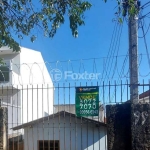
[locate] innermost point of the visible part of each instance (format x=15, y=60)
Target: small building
x=64, y=131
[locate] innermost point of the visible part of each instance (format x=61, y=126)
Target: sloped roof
x=62, y=114
x=144, y=94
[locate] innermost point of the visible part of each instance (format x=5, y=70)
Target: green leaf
x=22, y=17
x=120, y=20
x=33, y=38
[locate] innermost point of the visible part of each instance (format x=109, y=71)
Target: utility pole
x=133, y=56
x=133, y=68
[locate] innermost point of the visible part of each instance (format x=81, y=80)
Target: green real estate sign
x=87, y=101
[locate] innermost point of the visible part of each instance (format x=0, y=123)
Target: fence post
x=3, y=127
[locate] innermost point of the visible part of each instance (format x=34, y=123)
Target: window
x=48, y=145
x=4, y=73
x=5, y=99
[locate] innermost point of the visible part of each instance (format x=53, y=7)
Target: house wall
x=37, y=97
x=36, y=102
x=29, y=75
x=71, y=134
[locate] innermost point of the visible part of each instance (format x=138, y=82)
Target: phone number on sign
x=90, y=112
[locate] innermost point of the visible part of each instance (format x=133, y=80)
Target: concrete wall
x=119, y=126
x=71, y=134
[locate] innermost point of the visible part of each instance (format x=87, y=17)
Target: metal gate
x=43, y=117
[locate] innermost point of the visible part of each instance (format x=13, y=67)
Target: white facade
x=28, y=93
x=71, y=133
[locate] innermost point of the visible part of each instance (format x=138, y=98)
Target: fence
x=44, y=117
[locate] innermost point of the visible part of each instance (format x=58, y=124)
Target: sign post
x=87, y=101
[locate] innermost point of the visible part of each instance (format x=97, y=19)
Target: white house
x=64, y=131
x=25, y=86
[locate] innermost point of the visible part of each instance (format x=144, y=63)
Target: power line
x=111, y=43
x=143, y=6
x=146, y=47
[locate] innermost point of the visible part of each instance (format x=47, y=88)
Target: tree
x=20, y=17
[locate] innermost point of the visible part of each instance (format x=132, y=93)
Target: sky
x=101, y=41
x=98, y=38
x=93, y=40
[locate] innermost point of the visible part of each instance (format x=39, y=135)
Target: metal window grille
x=43, y=114
x=49, y=145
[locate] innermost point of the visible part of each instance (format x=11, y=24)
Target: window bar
x=2, y=100
x=59, y=123
x=54, y=89
x=87, y=133
x=32, y=103
x=27, y=104
x=64, y=116
x=8, y=120
x=121, y=91
x=103, y=93
x=81, y=128
x=143, y=92
x=76, y=134
x=22, y=103
x=149, y=91
x=1, y=104
x=43, y=118
x=109, y=93
x=99, y=131
x=37, y=113
x=127, y=90
x=92, y=85
x=87, y=129
x=22, y=108
x=54, y=123
x=58, y=116
x=12, y=120
x=27, y=120
x=53, y=115
x=105, y=119
x=70, y=117
x=48, y=120
x=93, y=124
x=32, y=119
x=115, y=91
x=17, y=120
